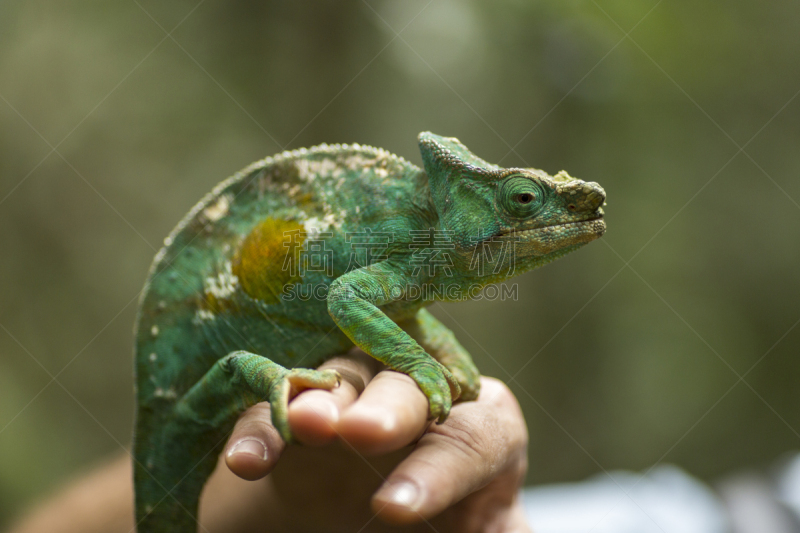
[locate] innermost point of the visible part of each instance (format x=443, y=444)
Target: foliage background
x=118, y=116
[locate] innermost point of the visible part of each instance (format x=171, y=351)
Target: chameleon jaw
x=548, y=239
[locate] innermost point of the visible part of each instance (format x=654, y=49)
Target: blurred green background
x=117, y=117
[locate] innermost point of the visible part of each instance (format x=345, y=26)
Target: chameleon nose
x=587, y=197
x=595, y=196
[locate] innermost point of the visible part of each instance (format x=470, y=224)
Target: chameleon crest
x=300, y=257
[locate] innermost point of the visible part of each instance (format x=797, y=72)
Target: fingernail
x=250, y=447
x=403, y=493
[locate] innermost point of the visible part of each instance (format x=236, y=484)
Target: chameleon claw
x=439, y=386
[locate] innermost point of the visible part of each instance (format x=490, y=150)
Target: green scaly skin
x=237, y=309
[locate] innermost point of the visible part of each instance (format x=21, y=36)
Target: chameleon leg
x=244, y=379
x=178, y=449
x=440, y=342
x=352, y=303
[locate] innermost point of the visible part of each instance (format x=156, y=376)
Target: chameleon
x=302, y=256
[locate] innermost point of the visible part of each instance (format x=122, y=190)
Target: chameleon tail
x=177, y=444
x=173, y=460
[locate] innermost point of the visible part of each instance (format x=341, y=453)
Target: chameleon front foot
x=290, y=384
x=439, y=386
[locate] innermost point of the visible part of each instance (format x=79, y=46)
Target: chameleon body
x=303, y=255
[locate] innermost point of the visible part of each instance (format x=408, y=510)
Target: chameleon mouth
x=594, y=224
x=548, y=239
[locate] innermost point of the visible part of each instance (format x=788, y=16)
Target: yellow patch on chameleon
x=268, y=259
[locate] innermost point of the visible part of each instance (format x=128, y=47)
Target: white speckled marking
x=218, y=209
x=169, y=394
x=308, y=170
x=203, y=315
x=359, y=162
x=224, y=284
x=315, y=225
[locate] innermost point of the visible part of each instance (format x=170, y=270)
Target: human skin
x=369, y=452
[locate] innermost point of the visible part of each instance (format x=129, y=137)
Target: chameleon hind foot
x=291, y=383
x=278, y=385
x=242, y=379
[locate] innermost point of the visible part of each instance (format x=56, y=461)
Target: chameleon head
x=487, y=208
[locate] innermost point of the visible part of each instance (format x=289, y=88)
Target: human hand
x=463, y=475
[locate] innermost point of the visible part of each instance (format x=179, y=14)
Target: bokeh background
x=673, y=339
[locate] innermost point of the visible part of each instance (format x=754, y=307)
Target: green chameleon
x=303, y=255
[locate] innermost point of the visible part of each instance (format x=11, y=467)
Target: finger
x=255, y=445
x=314, y=414
x=391, y=413
x=481, y=442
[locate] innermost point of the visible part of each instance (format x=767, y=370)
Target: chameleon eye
x=520, y=196
x=525, y=198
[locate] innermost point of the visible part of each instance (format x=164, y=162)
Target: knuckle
x=506, y=408
x=491, y=438
x=472, y=444
x=497, y=392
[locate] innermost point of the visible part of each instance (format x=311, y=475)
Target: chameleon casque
x=303, y=255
